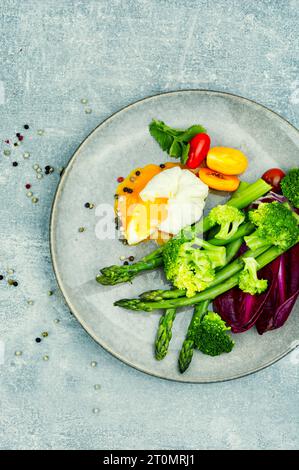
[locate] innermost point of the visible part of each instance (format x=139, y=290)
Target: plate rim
x=52, y=226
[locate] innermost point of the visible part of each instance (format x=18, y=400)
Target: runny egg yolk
x=139, y=219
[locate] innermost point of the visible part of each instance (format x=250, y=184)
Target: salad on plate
x=242, y=257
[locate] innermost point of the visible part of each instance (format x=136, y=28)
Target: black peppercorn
x=87, y=205
x=162, y=165
x=137, y=173
x=38, y=340
x=14, y=163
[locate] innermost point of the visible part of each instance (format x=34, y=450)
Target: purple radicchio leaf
x=283, y=293
x=270, y=309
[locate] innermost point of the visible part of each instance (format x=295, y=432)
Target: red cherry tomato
x=199, y=147
x=274, y=177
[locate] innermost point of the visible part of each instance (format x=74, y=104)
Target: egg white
x=186, y=195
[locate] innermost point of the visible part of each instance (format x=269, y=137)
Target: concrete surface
x=53, y=54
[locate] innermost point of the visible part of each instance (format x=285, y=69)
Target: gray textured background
x=53, y=53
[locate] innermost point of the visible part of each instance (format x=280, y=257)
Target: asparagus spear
x=243, y=199
x=186, y=352
x=231, y=279
x=153, y=254
x=232, y=249
x=242, y=186
x=112, y=275
x=222, y=275
x=161, y=294
x=164, y=333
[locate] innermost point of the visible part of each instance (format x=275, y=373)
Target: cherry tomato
x=218, y=181
x=274, y=177
x=227, y=160
x=199, y=147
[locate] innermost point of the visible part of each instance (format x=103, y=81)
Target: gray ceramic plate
x=118, y=145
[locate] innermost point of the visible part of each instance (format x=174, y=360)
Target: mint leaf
x=192, y=131
x=174, y=141
x=185, y=152
x=175, y=149
x=158, y=133
x=170, y=130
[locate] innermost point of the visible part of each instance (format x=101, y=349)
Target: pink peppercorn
x=120, y=179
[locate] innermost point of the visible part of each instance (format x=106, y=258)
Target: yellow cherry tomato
x=227, y=160
x=216, y=180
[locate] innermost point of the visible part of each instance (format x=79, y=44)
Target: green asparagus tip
x=112, y=281
x=161, y=353
x=186, y=355
x=164, y=333
x=112, y=275
x=133, y=304
x=159, y=356
x=102, y=279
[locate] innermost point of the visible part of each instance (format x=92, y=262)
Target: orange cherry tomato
x=216, y=180
x=227, y=160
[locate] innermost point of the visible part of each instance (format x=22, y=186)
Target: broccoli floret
x=248, y=280
x=194, y=275
x=210, y=335
x=189, y=267
x=290, y=186
x=170, y=255
x=276, y=225
x=229, y=218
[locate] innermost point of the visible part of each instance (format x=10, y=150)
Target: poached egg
x=160, y=202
